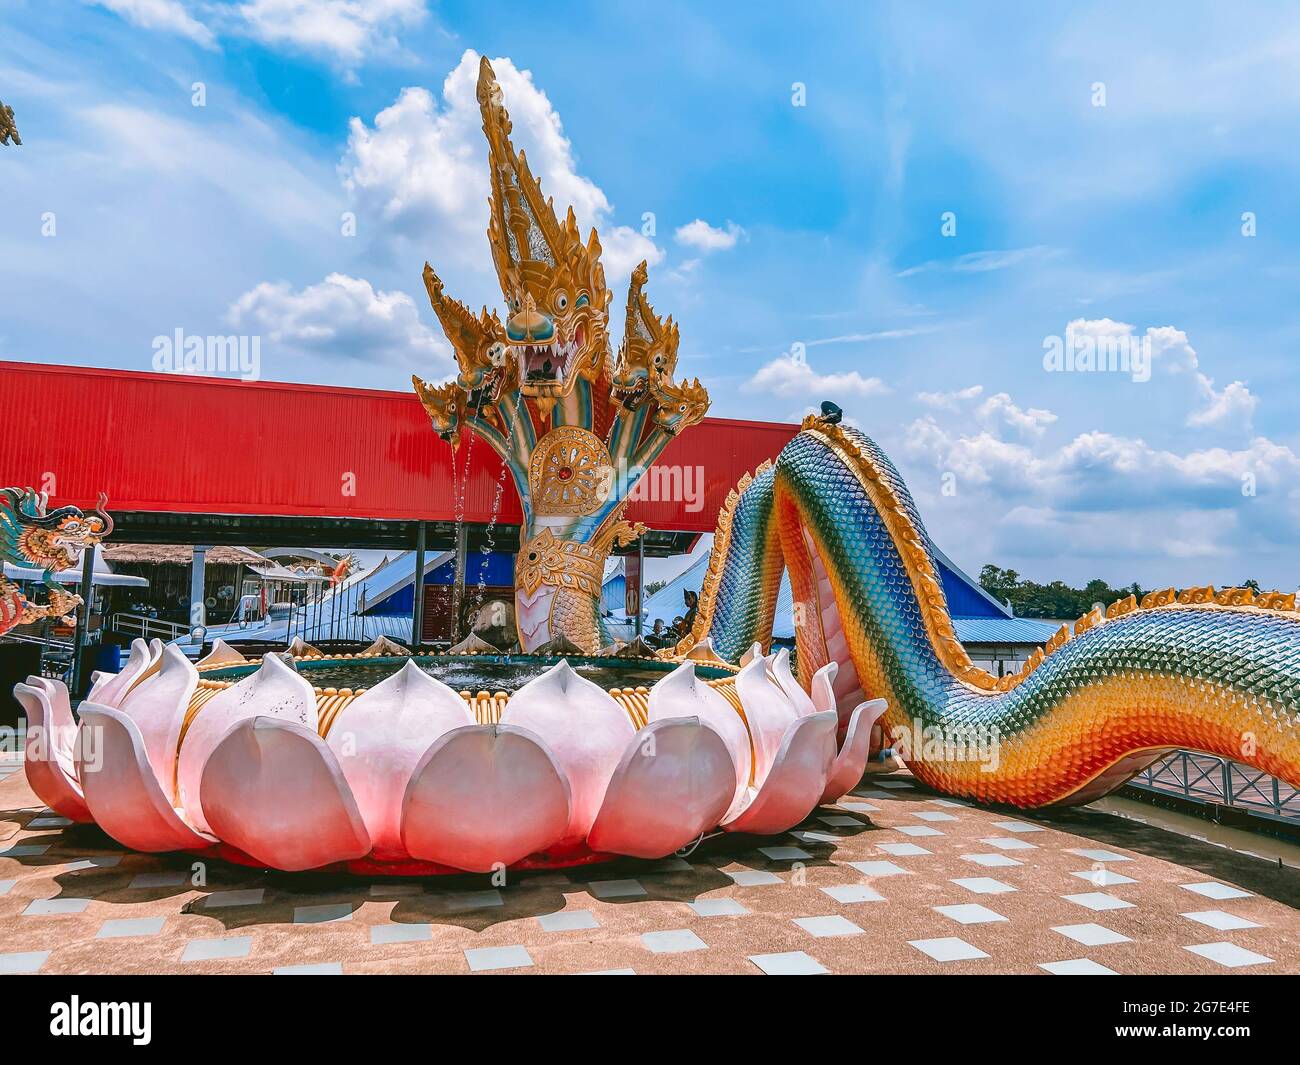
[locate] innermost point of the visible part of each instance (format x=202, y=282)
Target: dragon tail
x=1213, y=672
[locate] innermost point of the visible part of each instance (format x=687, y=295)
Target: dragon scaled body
x=576, y=427
x=33, y=536
x=1210, y=671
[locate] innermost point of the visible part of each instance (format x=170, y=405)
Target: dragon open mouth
x=549, y=364
x=632, y=396
x=489, y=390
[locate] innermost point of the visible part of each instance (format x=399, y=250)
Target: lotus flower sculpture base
x=254, y=764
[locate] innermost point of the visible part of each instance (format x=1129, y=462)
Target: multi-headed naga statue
x=576, y=428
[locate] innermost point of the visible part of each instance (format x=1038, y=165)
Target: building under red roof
x=187, y=459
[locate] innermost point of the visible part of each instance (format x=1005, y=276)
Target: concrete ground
x=892, y=880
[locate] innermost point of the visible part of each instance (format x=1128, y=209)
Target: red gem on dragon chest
x=566, y=473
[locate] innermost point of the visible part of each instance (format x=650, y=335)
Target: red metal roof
x=164, y=442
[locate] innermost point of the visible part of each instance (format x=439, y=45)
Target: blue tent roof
x=394, y=592
x=613, y=592
x=977, y=616
x=1002, y=630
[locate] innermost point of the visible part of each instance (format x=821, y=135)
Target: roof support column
x=198, y=605
x=458, y=596
x=640, y=583
x=87, y=592
x=417, y=609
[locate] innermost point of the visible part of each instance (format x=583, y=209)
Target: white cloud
x=622, y=248
x=342, y=318
x=1105, y=496
x=787, y=376
x=422, y=169
x=241, y=158
x=950, y=400
x=1230, y=408
x=1029, y=421
x=170, y=16
x=706, y=238
x=866, y=338
x=348, y=30
x=998, y=409
x=979, y=262
x=1105, y=470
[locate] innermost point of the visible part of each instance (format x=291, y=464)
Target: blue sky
x=1098, y=164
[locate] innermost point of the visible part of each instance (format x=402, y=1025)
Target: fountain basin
x=471, y=673
x=485, y=681
x=400, y=773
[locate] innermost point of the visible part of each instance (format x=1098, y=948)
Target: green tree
x=1057, y=599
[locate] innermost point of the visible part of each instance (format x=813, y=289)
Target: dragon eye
x=561, y=301
x=660, y=360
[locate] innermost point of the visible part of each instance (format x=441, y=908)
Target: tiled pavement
x=856, y=889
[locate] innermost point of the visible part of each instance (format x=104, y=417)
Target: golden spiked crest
x=554, y=284
x=478, y=342
x=648, y=354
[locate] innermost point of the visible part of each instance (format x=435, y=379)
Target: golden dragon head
x=679, y=406
x=646, y=361
x=554, y=284
x=445, y=405
x=648, y=354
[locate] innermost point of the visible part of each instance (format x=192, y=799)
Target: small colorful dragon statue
x=576, y=428
x=33, y=536
x=1211, y=671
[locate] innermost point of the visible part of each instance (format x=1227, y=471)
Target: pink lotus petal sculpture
x=406, y=780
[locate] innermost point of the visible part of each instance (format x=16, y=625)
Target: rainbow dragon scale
x=1216, y=672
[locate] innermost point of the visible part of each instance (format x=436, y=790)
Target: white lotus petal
x=584, y=728
x=683, y=694
x=780, y=666
x=851, y=762
x=379, y=738
x=121, y=788
x=275, y=690
x=755, y=651
x=110, y=688
x=384, y=646
x=484, y=797
x=158, y=706
x=673, y=784
x=768, y=711
x=48, y=760
x=823, y=687
x=60, y=703
x=794, y=785
x=705, y=653
x=222, y=654
x=273, y=789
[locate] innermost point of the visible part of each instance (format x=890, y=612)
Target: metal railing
x=1208, y=778
x=147, y=628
